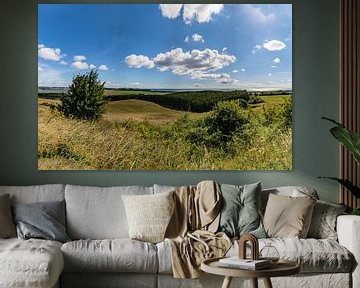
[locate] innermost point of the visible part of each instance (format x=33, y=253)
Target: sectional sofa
x=102, y=255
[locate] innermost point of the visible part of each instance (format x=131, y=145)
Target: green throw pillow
x=240, y=213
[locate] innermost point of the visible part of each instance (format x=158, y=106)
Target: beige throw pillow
x=7, y=226
x=288, y=217
x=149, y=215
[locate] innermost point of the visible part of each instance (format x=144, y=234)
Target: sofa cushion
x=313, y=255
x=30, y=263
x=7, y=226
x=36, y=193
x=163, y=188
x=98, y=213
x=117, y=255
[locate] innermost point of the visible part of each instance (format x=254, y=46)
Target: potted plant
x=351, y=141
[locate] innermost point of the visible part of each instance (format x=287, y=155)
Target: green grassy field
x=139, y=110
x=138, y=135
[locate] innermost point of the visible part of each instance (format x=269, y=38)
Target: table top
x=281, y=268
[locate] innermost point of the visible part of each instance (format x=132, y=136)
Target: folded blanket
x=191, y=231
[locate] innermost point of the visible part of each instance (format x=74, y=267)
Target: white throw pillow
x=149, y=215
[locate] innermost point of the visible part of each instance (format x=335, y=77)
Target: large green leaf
x=348, y=185
x=348, y=138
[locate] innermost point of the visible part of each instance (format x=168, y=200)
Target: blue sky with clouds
x=210, y=46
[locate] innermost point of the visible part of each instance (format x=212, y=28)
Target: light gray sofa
x=101, y=255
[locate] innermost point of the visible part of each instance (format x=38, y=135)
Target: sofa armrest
x=348, y=230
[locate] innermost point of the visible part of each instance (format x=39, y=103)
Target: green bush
x=219, y=127
x=85, y=98
x=227, y=118
x=286, y=112
x=255, y=99
x=280, y=115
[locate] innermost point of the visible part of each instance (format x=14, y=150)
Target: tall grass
x=67, y=144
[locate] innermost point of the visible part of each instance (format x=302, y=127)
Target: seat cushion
x=117, y=255
x=30, y=263
x=313, y=255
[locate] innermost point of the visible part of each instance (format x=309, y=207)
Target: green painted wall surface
x=315, y=84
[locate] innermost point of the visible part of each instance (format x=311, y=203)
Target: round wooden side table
x=281, y=268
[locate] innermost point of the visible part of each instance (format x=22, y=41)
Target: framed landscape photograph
x=165, y=87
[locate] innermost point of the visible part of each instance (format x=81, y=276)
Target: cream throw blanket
x=191, y=231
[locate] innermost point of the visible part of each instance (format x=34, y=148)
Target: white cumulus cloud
x=235, y=71
x=139, y=61
x=274, y=45
x=103, y=67
x=80, y=65
x=79, y=58
x=92, y=66
x=183, y=63
x=224, y=49
x=197, y=64
x=200, y=13
x=243, y=69
x=170, y=11
x=195, y=38
x=47, y=53
x=276, y=60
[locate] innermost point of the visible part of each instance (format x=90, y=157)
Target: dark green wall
x=315, y=80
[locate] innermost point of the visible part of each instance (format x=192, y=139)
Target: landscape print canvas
x=164, y=87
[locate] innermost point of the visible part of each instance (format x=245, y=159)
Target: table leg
x=254, y=282
x=267, y=283
x=227, y=282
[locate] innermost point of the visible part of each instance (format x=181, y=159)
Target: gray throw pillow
x=7, y=227
x=323, y=222
x=43, y=220
x=240, y=213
